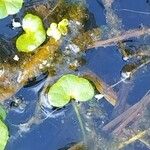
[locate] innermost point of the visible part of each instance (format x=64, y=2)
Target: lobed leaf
x=70, y=87
x=34, y=34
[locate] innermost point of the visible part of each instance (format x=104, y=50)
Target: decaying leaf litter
x=18, y=73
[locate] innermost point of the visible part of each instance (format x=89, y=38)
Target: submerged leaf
x=4, y=135
x=70, y=87
x=34, y=34
x=9, y=7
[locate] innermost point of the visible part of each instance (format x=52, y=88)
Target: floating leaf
x=9, y=7
x=4, y=135
x=56, y=31
x=70, y=87
x=34, y=34
x=2, y=113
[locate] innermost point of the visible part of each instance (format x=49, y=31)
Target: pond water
x=58, y=129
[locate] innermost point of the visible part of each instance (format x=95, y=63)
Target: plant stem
x=76, y=109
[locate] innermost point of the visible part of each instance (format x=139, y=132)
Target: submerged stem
x=79, y=119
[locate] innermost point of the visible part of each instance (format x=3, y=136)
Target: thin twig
x=128, y=115
x=133, y=138
x=103, y=88
x=124, y=36
x=122, y=98
x=48, y=14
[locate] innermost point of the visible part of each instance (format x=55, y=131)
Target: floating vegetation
x=2, y=113
x=34, y=34
x=9, y=8
x=70, y=87
x=46, y=63
x=56, y=31
x=3, y=129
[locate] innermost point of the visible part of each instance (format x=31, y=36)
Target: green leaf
x=34, y=34
x=4, y=135
x=63, y=26
x=57, y=30
x=9, y=7
x=70, y=87
x=2, y=113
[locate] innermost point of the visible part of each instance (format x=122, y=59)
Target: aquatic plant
x=2, y=113
x=3, y=129
x=69, y=37
x=70, y=87
x=4, y=135
x=34, y=34
x=9, y=7
x=56, y=31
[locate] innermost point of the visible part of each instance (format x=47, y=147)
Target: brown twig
x=123, y=93
x=132, y=139
x=124, y=36
x=125, y=118
x=109, y=94
x=78, y=146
